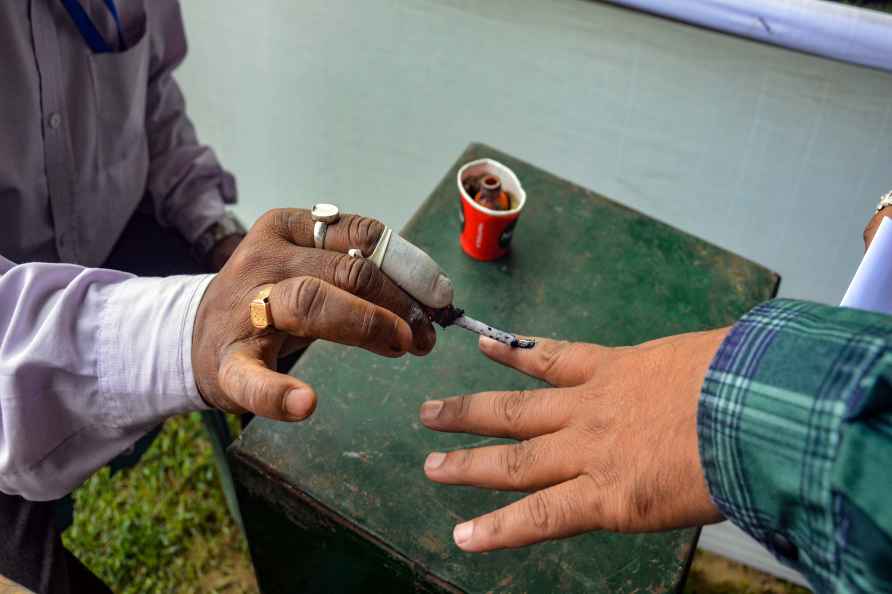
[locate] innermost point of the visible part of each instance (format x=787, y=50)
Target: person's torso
x=73, y=148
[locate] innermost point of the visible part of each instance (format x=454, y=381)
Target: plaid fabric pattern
x=795, y=427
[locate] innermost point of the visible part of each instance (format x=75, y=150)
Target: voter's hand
x=612, y=446
x=315, y=294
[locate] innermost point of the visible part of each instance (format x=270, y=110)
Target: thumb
x=248, y=382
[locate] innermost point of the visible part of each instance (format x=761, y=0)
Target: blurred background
x=773, y=154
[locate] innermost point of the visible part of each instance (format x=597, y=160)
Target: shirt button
x=55, y=120
x=784, y=547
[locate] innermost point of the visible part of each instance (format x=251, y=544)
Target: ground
x=712, y=574
x=163, y=527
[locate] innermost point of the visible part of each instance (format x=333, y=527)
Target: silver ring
x=323, y=214
x=319, y=231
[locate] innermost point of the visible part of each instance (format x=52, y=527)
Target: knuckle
x=595, y=427
x=358, y=276
x=368, y=326
x=510, y=407
x=592, y=488
x=596, y=416
x=230, y=377
x=538, y=511
x=285, y=223
x=493, y=523
x=274, y=219
x=602, y=474
x=256, y=392
x=306, y=297
x=237, y=385
x=551, y=357
x=461, y=406
x=282, y=216
x=269, y=218
x=464, y=459
x=612, y=505
x=516, y=461
x=364, y=232
x=572, y=514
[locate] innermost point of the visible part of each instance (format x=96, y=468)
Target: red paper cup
x=486, y=233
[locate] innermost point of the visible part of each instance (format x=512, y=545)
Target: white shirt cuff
x=145, y=348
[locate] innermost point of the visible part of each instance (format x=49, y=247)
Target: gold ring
x=261, y=314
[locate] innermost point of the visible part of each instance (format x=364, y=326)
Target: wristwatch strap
x=227, y=226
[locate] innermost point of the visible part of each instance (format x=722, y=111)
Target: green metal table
x=340, y=503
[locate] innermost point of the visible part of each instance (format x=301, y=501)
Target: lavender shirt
x=90, y=360
x=85, y=138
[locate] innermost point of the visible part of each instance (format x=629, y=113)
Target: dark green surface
x=350, y=480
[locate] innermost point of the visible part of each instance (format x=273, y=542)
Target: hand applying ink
x=413, y=270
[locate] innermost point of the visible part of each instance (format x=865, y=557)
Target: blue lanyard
x=89, y=31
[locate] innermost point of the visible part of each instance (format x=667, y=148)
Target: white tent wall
x=774, y=154
x=828, y=29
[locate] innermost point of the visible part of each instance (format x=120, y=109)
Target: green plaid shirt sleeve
x=795, y=433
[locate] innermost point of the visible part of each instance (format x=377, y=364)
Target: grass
x=162, y=527
x=712, y=574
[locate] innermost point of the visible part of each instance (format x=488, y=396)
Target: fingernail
x=298, y=403
x=430, y=410
x=434, y=460
x=463, y=532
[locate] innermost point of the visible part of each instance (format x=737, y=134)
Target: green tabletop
x=340, y=503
